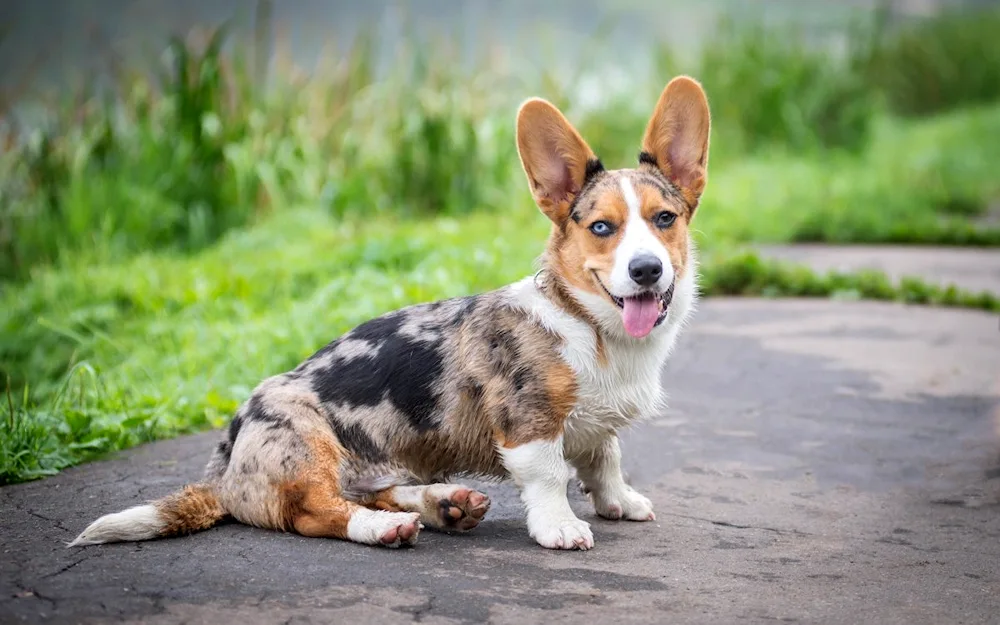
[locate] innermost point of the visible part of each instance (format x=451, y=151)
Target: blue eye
x=664, y=219
x=601, y=228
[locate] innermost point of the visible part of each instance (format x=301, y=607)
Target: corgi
x=360, y=441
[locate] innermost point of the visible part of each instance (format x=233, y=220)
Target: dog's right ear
x=556, y=159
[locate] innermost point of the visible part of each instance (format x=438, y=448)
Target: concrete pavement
x=820, y=462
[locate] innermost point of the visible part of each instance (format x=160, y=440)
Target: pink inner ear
x=684, y=156
x=556, y=178
x=568, y=188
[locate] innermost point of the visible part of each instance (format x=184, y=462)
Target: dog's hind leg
x=312, y=504
x=284, y=473
x=314, y=509
x=447, y=507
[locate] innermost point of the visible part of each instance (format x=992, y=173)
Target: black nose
x=645, y=270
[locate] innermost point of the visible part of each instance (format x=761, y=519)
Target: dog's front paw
x=627, y=504
x=568, y=533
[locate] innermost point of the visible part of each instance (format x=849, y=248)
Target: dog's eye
x=664, y=219
x=602, y=228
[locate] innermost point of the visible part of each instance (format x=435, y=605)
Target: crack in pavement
x=55, y=522
x=737, y=525
x=74, y=564
x=20, y=507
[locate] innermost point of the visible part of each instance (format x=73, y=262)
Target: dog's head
x=620, y=238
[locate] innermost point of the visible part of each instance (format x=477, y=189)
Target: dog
x=360, y=440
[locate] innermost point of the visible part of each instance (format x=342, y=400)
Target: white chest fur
x=622, y=387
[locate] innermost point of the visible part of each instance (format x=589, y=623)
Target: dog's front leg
x=601, y=474
x=540, y=471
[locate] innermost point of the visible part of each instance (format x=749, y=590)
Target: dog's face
x=620, y=237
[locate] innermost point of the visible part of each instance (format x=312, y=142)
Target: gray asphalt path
x=820, y=462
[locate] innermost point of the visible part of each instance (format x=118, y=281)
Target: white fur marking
x=409, y=497
x=541, y=472
x=138, y=523
x=637, y=240
x=368, y=526
x=601, y=472
x=626, y=386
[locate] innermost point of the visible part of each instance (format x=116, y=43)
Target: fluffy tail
x=191, y=510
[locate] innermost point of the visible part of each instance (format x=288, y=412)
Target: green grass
x=918, y=182
x=165, y=249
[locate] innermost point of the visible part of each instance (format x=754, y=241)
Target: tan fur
x=678, y=136
x=541, y=132
x=311, y=504
x=674, y=238
x=534, y=350
x=581, y=255
x=193, y=509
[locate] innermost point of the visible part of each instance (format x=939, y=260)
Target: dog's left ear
x=556, y=159
x=676, y=139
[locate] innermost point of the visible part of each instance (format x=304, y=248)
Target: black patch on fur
x=255, y=411
x=356, y=440
x=250, y=465
x=520, y=378
x=593, y=173
x=467, y=307
x=418, y=366
x=659, y=180
x=357, y=382
x=225, y=449
x=594, y=167
x=444, y=507
x=504, y=420
x=404, y=370
x=645, y=158
x=473, y=389
x=505, y=353
x=373, y=331
x=234, y=427
x=379, y=328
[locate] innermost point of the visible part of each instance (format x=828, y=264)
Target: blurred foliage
x=166, y=244
x=936, y=64
x=770, y=86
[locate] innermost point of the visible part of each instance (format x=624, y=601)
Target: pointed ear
x=676, y=139
x=556, y=159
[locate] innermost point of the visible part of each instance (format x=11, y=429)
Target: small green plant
x=747, y=274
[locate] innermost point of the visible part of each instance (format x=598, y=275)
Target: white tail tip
x=138, y=523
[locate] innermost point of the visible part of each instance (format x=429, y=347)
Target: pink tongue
x=640, y=315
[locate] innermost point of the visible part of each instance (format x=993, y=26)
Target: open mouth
x=643, y=312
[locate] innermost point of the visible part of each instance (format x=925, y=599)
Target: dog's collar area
x=557, y=292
